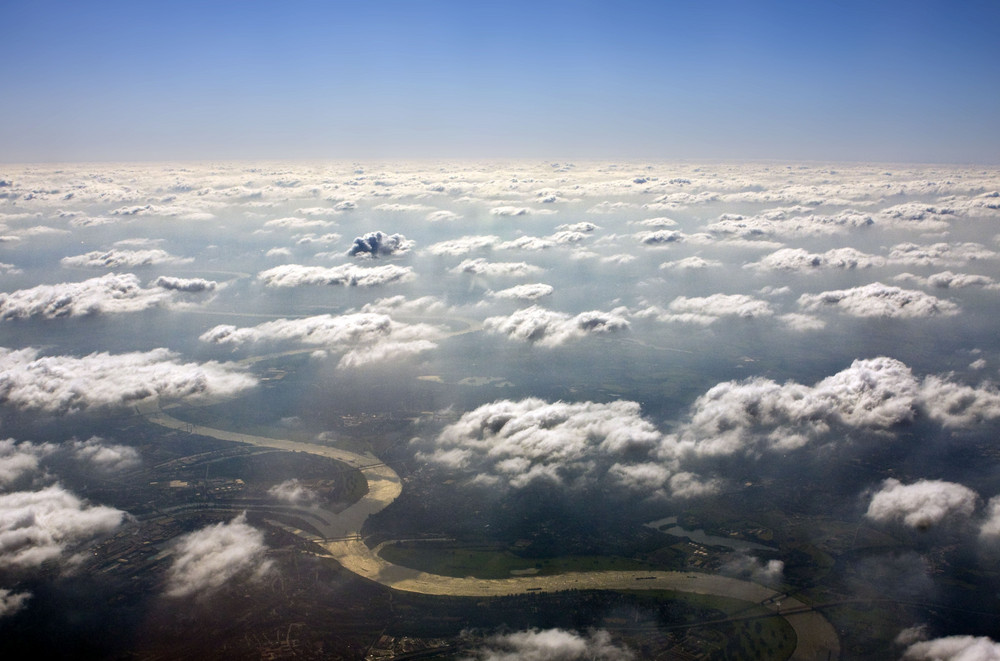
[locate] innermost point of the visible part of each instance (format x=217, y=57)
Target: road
x=816, y=638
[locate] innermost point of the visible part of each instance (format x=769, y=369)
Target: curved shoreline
x=816, y=638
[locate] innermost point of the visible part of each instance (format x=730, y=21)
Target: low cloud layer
x=548, y=328
x=693, y=263
x=939, y=254
x=116, y=259
x=797, y=259
x=463, y=245
x=530, y=292
x=367, y=337
x=66, y=384
x=292, y=492
x=208, y=559
x=745, y=566
x=189, y=285
x=923, y=504
x=486, y=268
x=551, y=645
x=40, y=526
x=879, y=300
x=949, y=280
x=103, y=456
x=18, y=460
x=705, y=310
x=108, y=294
x=759, y=415
x=954, y=648
x=516, y=443
x=346, y=275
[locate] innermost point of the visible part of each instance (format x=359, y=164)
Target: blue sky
x=854, y=81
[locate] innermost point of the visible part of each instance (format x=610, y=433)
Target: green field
x=483, y=562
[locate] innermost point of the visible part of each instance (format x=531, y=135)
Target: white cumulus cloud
x=529, y=292
x=551, y=645
x=954, y=648
x=115, y=259
x=63, y=384
x=486, y=268
x=549, y=328
x=38, y=526
x=923, y=504
x=207, y=559
x=879, y=300
x=345, y=275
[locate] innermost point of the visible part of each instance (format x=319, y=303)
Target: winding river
x=341, y=537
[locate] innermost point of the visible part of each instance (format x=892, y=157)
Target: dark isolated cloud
x=207, y=559
x=115, y=258
x=923, y=504
x=65, y=384
x=38, y=526
x=550, y=645
x=380, y=244
x=549, y=328
x=879, y=300
x=12, y=602
x=346, y=275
